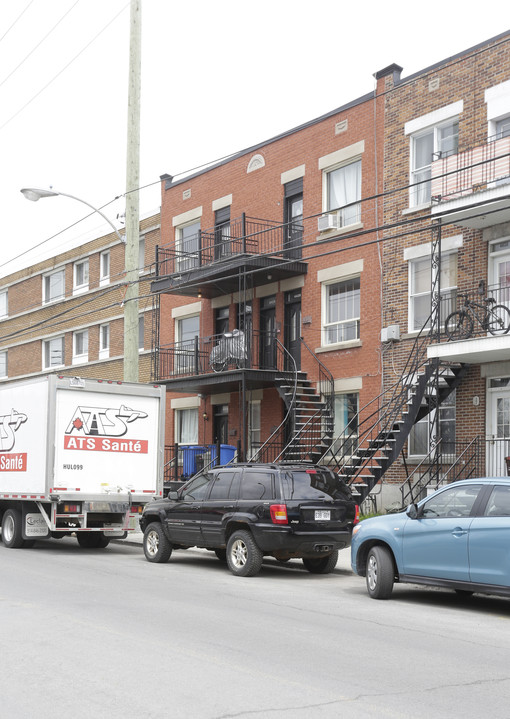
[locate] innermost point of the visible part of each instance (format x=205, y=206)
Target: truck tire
x=11, y=529
x=321, y=565
x=156, y=546
x=92, y=540
x=244, y=558
x=380, y=573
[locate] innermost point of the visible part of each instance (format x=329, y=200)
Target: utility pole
x=132, y=197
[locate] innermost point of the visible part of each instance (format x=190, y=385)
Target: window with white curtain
x=53, y=352
x=104, y=341
x=186, y=426
x=344, y=188
x=427, y=146
x=104, y=268
x=54, y=286
x=420, y=286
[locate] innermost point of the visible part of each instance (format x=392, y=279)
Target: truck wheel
x=380, y=573
x=321, y=565
x=156, y=546
x=244, y=558
x=11, y=529
x=92, y=540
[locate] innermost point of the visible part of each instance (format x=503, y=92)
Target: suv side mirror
x=173, y=495
x=412, y=511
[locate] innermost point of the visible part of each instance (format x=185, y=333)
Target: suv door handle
x=228, y=506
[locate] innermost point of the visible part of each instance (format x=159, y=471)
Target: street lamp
x=33, y=194
x=130, y=298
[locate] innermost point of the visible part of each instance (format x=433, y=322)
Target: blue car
x=457, y=538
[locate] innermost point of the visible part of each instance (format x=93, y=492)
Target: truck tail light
x=136, y=508
x=72, y=508
x=356, y=515
x=278, y=513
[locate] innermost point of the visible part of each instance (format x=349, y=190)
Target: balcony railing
x=484, y=312
x=242, y=236
x=220, y=353
x=479, y=168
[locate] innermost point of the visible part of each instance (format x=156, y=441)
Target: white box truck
x=78, y=456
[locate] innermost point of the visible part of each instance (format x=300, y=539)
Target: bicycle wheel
x=458, y=325
x=498, y=320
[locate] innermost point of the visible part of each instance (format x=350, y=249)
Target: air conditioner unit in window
x=331, y=221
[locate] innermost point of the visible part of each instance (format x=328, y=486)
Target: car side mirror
x=412, y=511
x=173, y=495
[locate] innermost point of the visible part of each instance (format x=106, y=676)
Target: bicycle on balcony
x=230, y=350
x=491, y=317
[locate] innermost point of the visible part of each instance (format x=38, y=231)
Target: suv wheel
x=244, y=558
x=380, y=573
x=156, y=546
x=321, y=565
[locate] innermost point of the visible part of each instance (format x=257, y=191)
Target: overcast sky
x=217, y=76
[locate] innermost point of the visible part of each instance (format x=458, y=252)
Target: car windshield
x=313, y=484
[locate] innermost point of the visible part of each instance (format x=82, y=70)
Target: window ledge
x=417, y=208
x=330, y=234
x=339, y=346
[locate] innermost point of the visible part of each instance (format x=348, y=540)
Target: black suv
x=245, y=511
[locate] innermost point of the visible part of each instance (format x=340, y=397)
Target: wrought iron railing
x=242, y=236
x=478, y=168
x=484, y=311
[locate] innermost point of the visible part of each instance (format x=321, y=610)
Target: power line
x=38, y=44
x=50, y=82
x=17, y=19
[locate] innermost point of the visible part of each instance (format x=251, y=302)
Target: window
x=186, y=426
x=53, y=352
x=187, y=329
x=346, y=423
x=141, y=331
x=499, y=502
x=141, y=254
x=223, y=488
x=3, y=364
x=198, y=488
x=343, y=187
x=341, y=311
x=502, y=128
x=4, y=305
x=426, y=146
x=420, y=283
x=81, y=276
x=253, y=427
x=104, y=341
x=80, y=347
x=257, y=485
x=420, y=433
x=188, y=246
x=454, y=502
x=54, y=286
x=104, y=267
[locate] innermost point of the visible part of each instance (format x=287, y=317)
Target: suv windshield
x=313, y=484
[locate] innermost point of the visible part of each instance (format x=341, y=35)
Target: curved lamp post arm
x=34, y=194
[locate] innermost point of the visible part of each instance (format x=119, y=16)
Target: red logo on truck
x=9, y=425
x=100, y=429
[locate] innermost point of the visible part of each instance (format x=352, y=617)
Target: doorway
x=220, y=423
x=268, y=332
x=292, y=329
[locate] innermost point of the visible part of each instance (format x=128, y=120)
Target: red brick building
x=279, y=243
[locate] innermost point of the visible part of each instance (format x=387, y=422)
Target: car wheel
x=11, y=529
x=156, y=546
x=244, y=558
x=380, y=573
x=321, y=565
x=221, y=554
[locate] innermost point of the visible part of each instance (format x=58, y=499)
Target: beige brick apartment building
x=65, y=314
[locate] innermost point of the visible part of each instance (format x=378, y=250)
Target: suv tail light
x=278, y=513
x=356, y=516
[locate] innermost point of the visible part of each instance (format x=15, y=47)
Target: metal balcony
x=473, y=187
x=210, y=263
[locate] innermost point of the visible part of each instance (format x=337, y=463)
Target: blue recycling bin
x=227, y=453
x=191, y=456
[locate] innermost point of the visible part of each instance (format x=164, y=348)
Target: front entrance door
x=220, y=424
x=498, y=446
x=268, y=332
x=292, y=328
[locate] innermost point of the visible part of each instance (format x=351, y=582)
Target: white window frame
x=451, y=290
x=104, y=264
x=104, y=341
x=80, y=284
x=427, y=421
x=4, y=364
x=254, y=427
x=4, y=304
x=192, y=260
x=47, y=352
x=80, y=353
x=46, y=282
x=326, y=325
x=350, y=215
x=178, y=425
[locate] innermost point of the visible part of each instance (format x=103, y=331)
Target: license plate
x=322, y=514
